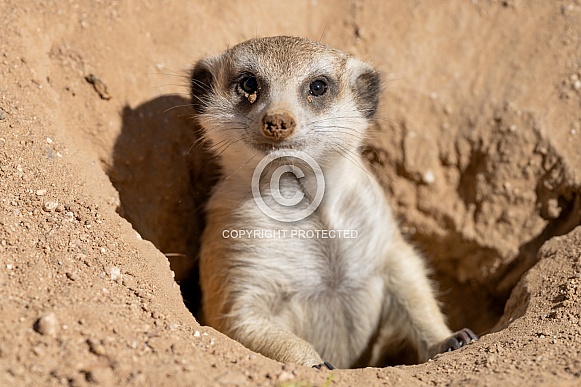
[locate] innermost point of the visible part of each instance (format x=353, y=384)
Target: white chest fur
x=316, y=276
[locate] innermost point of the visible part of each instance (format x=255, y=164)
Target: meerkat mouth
x=271, y=147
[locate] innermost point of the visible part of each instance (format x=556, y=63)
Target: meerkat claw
x=324, y=364
x=458, y=340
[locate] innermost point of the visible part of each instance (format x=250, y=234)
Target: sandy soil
x=100, y=188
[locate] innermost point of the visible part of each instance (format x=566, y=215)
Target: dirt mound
x=476, y=146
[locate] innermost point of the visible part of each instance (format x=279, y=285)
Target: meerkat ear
x=366, y=85
x=202, y=81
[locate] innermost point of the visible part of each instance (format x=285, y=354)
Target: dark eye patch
x=318, y=91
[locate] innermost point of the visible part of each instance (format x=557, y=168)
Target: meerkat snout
x=278, y=125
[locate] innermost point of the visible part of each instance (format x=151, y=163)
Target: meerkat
x=339, y=287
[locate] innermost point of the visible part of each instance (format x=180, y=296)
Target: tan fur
x=346, y=301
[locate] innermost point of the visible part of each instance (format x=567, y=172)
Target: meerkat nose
x=278, y=125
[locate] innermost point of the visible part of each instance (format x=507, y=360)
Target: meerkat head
x=284, y=93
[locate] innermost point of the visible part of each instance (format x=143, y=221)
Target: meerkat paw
x=324, y=364
x=457, y=340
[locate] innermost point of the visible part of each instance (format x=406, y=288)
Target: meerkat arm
x=263, y=335
x=245, y=312
x=412, y=307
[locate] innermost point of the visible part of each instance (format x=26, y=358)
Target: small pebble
x=429, y=177
x=96, y=347
x=71, y=275
x=49, y=205
x=47, y=325
x=115, y=273
x=41, y=192
x=285, y=376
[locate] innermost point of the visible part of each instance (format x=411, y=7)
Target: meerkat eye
x=249, y=84
x=318, y=87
